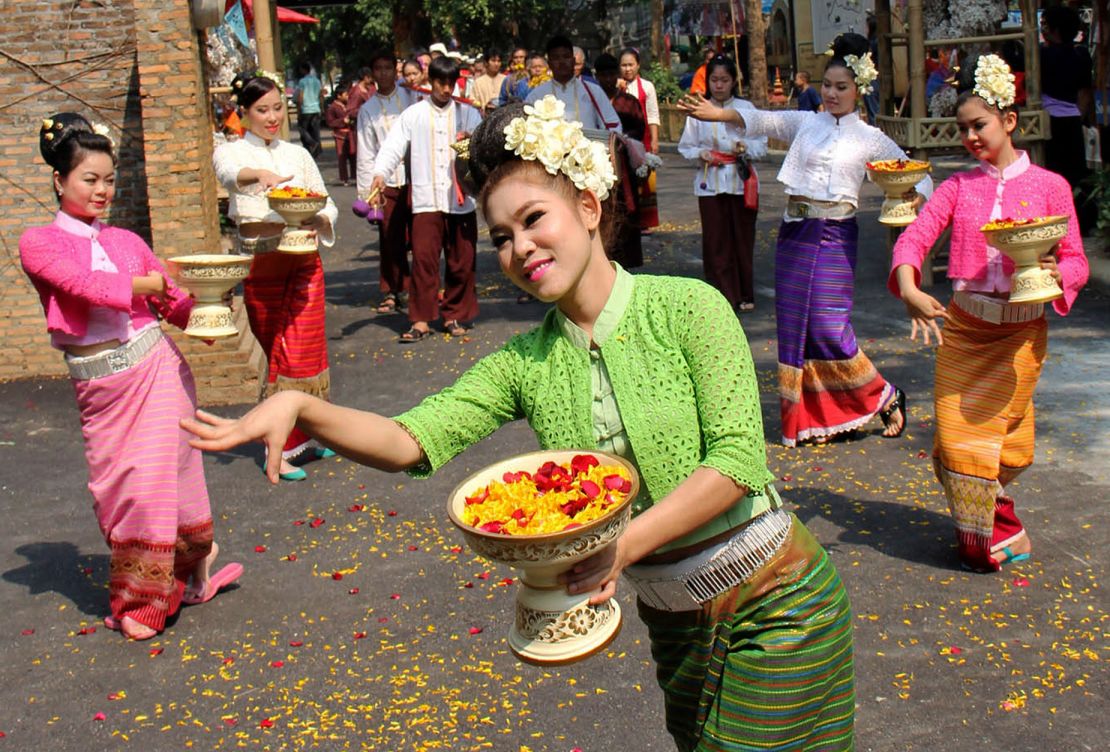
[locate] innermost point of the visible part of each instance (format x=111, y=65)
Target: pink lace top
x=967, y=201
x=104, y=323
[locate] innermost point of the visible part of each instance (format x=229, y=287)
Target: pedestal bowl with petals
x=208, y=276
x=551, y=627
x=1024, y=241
x=895, y=177
x=296, y=205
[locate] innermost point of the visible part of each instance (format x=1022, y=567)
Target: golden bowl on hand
x=208, y=276
x=297, y=205
x=1024, y=241
x=552, y=627
x=896, y=177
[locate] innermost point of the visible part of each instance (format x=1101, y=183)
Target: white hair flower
x=863, y=68
x=994, y=82
x=102, y=130
x=544, y=136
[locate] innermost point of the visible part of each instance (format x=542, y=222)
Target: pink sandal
x=214, y=584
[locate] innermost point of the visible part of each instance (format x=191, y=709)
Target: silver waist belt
x=796, y=209
x=686, y=585
x=85, y=367
x=997, y=311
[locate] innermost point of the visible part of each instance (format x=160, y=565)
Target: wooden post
x=916, y=24
x=886, y=58
x=1032, y=72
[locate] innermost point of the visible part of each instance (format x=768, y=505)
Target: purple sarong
x=826, y=383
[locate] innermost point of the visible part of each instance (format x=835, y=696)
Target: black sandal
x=414, y=335
x=887, y=415
x=454, y=328
x=388, y=304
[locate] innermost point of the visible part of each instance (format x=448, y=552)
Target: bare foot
x=130, y=628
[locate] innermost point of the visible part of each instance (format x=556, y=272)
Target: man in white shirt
x=376, y=118
x=443, y=219
x=585, y=102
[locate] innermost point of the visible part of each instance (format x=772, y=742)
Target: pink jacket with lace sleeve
x=965, y=201
x=59, y=265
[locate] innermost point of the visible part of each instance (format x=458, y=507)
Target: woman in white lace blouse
x=827, y=385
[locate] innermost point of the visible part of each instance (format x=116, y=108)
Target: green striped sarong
x=764, y=666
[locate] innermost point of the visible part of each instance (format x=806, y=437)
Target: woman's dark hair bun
x=487, y=144
x=850, y=43
x=248, y=88
x=56, y=130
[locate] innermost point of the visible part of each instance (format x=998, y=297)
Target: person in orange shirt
x=697, y=86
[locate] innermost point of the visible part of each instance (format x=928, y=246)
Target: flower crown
x=863, y=68
x=994, y=82
x=544, y=135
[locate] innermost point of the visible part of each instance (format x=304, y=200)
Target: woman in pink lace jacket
x=990, y=353
x=100, y=289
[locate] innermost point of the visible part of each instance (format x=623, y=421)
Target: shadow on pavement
x=60, y=567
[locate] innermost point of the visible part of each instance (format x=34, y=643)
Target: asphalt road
x=405, y=649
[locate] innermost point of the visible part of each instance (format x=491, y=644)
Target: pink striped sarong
x=147, y=483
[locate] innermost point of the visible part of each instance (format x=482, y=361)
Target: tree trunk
x=658, y=51
x=757, y=52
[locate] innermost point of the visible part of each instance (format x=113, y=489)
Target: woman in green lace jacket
x=756, y=648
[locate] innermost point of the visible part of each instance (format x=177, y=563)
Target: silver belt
x=688, y=584
x=85, y=367
x=997, y=311
x=796, y=209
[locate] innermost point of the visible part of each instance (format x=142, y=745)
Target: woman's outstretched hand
x=699, y=108
x=270, y=422
x=924, y=311
x=602, y=570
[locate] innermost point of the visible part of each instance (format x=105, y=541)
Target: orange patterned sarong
x=985, y=377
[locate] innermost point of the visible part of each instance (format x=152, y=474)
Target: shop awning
x=284, y=15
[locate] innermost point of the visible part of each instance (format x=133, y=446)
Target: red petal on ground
x=1021, y=582
x=361, y=486
x=157, y=651
x=359, y=635
x=787, y=478
x=395, y=597
x=265, y=723
x=337, y=575
x=86, y=630
x=260, y=549
x=87, y=570
x=392, y=512
x=228, y=661
x=955, y=650
x=506, y=580
x=483, y=576
x=414, y=548
x=231, y=721
x=468, y=585
x=277, y=664
x=353, y=591
x=99, y=717
x=475, y=630
x=456, y=549
x=291, y=557
x=27, y=632
x=356, y=507
x=113, y=696
x=316, y=522
x=383, y=619
x=296, y=643
x=298, y=523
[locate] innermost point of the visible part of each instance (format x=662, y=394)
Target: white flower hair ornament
x=994, y=82
x=544, y=135
x=863, y=68
x=102, y=130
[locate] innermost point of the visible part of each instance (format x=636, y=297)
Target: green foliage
x=666, y=83
x=347, y=35
x=1098, y=185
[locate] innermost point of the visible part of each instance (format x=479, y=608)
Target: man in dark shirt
x=808, y=98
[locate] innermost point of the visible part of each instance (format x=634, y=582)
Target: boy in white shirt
x=443, y=215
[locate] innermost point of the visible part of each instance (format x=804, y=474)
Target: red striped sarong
x=147, y=482
x=985, y=377
x=284, y=295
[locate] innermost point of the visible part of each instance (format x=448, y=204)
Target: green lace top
x=682, y=375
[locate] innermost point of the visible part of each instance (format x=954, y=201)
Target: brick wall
x=137, y=67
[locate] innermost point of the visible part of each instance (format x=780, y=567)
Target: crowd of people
x=657, y=369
